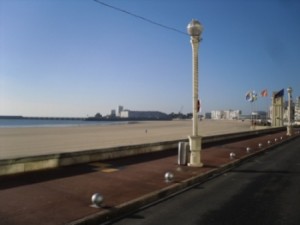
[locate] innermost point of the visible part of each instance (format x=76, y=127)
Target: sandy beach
x=23, y=142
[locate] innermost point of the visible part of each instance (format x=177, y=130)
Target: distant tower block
x=120, y=109
x=277, y=111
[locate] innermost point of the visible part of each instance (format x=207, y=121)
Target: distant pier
x=42, y=118
x=86, y=118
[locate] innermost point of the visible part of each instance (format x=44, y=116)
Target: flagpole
x=252, y=121
x=255, y=107
x=255, y=114
x=267, y=111
x=264, y=93
x=250, y=97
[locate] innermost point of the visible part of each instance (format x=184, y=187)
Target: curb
x=154, y=197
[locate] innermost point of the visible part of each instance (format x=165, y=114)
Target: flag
x=249, y=96
x=254, y=95
x=264, y=93
x=279, y=93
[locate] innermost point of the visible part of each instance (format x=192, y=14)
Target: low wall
x=27, y=164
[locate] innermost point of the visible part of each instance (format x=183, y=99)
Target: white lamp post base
x=195, y=156
x=289, y=130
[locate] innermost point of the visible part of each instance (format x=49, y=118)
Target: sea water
x=15, y=123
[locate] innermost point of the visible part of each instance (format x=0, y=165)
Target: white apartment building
x=143, y=115
x=226, y=114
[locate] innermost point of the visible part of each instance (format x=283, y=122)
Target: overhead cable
x=140, y=17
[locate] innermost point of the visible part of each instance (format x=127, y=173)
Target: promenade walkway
x=63, y=195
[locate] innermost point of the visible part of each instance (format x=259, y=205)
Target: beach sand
x=23, y=142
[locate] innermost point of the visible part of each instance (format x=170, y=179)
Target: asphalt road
x=264, y=190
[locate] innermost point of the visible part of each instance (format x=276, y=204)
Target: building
x=151, y=115
x=297, y=110
x=277, y=109
x=113, y=113
x=217, y=114
x=232, y=114
x=286, y=111
x=226, y=114
x=120, y=109
x=207, y=115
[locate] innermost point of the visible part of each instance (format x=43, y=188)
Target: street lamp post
x=289, y=125
x=195, y=29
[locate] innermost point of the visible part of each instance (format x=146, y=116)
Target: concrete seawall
x=27, y=164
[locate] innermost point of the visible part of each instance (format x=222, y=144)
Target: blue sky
x=78, y=57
